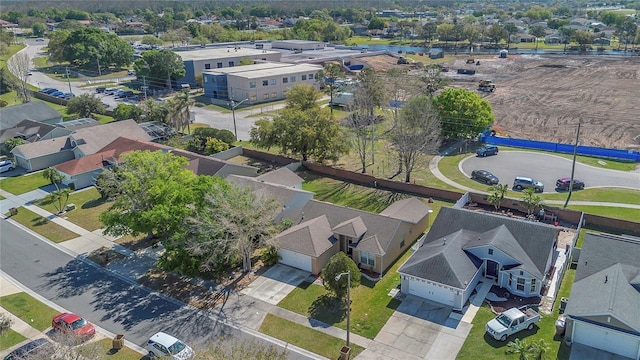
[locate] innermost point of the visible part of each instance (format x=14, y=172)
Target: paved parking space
x=275, y=284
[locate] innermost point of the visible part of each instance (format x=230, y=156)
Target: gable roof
x=37, y=111
x=353, y=228
x=442, y=256
x=93, y=139
x=312, y=237
x=282, y=176
x=86, y=164
x=410, y=209
x=42, y=147
x=28, y=130
x=607, y=279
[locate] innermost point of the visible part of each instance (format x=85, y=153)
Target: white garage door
x=606, y=339
x=431, y=292
x=299, y=261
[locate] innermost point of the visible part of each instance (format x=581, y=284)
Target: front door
x=492, y=269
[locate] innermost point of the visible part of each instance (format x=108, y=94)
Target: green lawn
x=610, y=211
x=480, y=346
x=10, y=338
x=89, y=205
x=42, y=226
x=104, y=348
x=21, y=184
x=305, y=337
x=30, y=310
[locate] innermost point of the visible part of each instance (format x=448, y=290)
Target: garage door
x=606, y=339
x=432, y=292
x=293, y=259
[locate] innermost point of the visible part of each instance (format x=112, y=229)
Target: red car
x=67, y=322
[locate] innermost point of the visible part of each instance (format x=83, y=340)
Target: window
x=520, y=285
x=285, y=80
x=230, y=63
x=205, y=79
x=533, y=286
x=272, y=81
x=266, y=96
x=207, y=66
x=310, y=76
x=252, y=84
x=265, y=82
x=219, y=65
x=490, y=251
x=293, y=79
x=253, y=98
x=401, y=242
x=367, y=258
x=304, y=77
x=510, y=279
x=274, y=95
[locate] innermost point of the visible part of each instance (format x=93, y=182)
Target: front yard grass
x=306, y=338
x=480, y=346
x=371, y=306
x=89, y=205
x=610, y=211
x=22, y=184
x=104, y=348
x=29, y=310
x=10, y=338
x=42, y=226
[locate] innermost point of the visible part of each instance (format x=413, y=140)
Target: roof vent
x=444, y=241
x=606, y=278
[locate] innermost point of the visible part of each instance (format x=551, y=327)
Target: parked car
x=120, y=94
x=487, y=150
x=68, y=95
x=6, y=165
x=110, y=91
x=511, y=322
x=485, y=177
x=68, y=322
x=131, y=72
x=57, y=94
x=37, y=349
x=100, y=89
x=48, y=90
x=165, y=345
x=521, y=183
x=563, y=184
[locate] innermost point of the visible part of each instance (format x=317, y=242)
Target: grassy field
x=306, y=338
x=480, y=346
x=104, y=348
x=29, y=310
x=89, y=205
x=10, y=338
x=22, y=184
x=42, y=226
x=610, y=211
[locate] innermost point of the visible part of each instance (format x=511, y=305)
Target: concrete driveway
x=275, y=284
x=580, y=351
x=420, y=329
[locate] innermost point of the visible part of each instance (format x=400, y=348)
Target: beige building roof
x=353, y=228
x=411, y=210
x=43, y=147
x=282, y=176
x=93, y=139
x=312, y=237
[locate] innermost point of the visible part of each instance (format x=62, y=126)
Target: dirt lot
x=544, y=97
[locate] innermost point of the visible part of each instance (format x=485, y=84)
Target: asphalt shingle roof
x=39, y=111
x=282, y=176
x=354, y=228
x=28, y=130
x=411, y=210
x=312, y=237
x=442, y=256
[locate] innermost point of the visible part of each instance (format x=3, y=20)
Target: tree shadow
x=93, y=203
x=328, y=309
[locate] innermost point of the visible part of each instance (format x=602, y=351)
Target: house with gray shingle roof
x=603, y=311
x=463, y=247
x=38, y=111
x=373, y=241
x=282, y=176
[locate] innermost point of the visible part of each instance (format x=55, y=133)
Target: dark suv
x=487, y=150
x=563, y=184
x=485, y=177
x=521, y=183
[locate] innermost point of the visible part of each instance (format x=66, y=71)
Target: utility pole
x=144, y=86
x=573, y=165
x=69, y=79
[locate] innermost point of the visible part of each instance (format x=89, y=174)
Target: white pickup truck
x=512, y=321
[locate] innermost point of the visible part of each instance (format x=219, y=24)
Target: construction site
x=544, y=97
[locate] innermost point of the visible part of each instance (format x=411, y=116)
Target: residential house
x=464, y=246
x=373, y=241
x=555, y=38
x=39, y=111
x=603, y=308
x=83, y=171
x=282, y=176
x=81, y=142
x=27, y=130
x=523, y=38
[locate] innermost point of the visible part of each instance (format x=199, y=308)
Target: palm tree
x=499, y=191
x=53, y=176
x=531, y=200
x=180, y=111
x=519, y=347
x=59, y=198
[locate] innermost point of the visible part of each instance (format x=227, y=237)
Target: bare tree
x=358, y=122
x=432, y=80
x=399, y=87
x=19, y=65
x=417, y=132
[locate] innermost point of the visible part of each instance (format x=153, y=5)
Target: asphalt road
x=116, y=305
x=506, y=165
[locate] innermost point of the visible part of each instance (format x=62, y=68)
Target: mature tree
x=398, y=87
x=568, y=33
x=429, y=31
x=214, y=146
x=329, y=79
x=19, y=65
x=463, y=113
x=431, y=80
x=628, y=30
x=338, y=264
x=377, y=23
x=472, y=33
x=90, y=46
x=160, y=67
x=154, y=193
x=59, y=199
x=301, y=130
x=201, y=135
x=371, y=87
x=531, y=200
x=510, y=29
x=151, y=40
x=417, y=133
x=6, y=37
x=583, y=38
x=496, y=33
x=6, y=82
x=180, y=113
x=154, y=111
x=499, y=192
x=538, y=32
x=128, y=111
x=85, y=105
x=445, y=32
x=10, y=144
x=38, y=29
x=56, y=45
x=358, y=122
x=53, y=176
